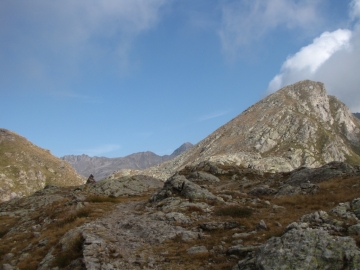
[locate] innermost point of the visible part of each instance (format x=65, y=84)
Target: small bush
x=3, y=232
x=101, y=199
x=194, y=208
x=234, y=211
x=83, y=212
x=74, y=251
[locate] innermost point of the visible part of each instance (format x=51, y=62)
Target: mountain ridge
x=225, y=207
x=101, y=167
x=299, y=125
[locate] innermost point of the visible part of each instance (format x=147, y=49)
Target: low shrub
x=3, y=231
x=101, y=199
x=73, y=215
x=74, y=251
x=234, y=211
x=194, y=208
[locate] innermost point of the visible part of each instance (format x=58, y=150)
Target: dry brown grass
x=101, y=199
x=330, y=194
x=74, y=250
x=6, y=223
x=71, y=216
x=63, y=218
x=177, y=258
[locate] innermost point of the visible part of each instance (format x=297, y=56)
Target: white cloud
x=100, y=150
x=246, y=21
x=212, y=115
x=315, y=54
x=333, y=58
x=307, y=61
x=341, y=73
x=355, y=9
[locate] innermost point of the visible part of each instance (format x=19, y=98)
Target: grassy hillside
x=25, y=167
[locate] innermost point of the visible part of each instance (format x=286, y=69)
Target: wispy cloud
x=77, y=96
x=244, y=22
x=212, y=115
x=355, y=9
x=51, y=40
x=333, y=58
x=100, y=150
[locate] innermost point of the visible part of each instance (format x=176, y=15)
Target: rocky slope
x=299, y=125
x=101, y=167
x=26, y=168
x=208, y=216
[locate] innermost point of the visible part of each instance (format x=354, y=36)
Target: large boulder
x=317, y=241
x=124, y=186
x=179, y=185
x=324, y=173
x=302, y=188
x=203, y=177
x=305, y=249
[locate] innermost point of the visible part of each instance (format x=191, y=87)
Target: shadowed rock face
x=101, y=167
x=299, y=125
x=317, y=175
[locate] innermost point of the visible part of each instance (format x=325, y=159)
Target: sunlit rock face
x=299, y=125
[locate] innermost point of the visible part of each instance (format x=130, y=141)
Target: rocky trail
x=208, y=216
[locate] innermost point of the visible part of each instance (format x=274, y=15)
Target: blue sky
x=114, y=77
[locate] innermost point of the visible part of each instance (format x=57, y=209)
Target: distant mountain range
x=357, y=115
x=100, y=167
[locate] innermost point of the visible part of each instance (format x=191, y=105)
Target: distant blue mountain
x=101, y=167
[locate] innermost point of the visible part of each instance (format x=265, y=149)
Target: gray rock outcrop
x=124, y=186
x=305, y=249
x=328, y=171
x=179, y=185
x=91, y=180
x=317, y=241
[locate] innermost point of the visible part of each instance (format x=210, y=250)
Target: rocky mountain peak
x=299, y=125
x=181, y=149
